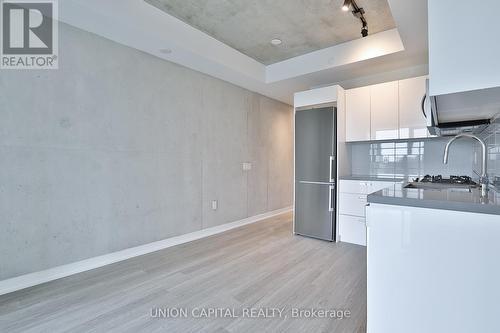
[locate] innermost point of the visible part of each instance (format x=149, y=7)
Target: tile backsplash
x=411, y=159
x=492, y=138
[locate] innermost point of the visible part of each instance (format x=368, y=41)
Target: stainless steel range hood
x=464, y=112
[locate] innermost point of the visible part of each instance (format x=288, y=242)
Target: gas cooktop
x=439, y=183
x=462, y=180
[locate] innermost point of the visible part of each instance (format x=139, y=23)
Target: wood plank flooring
x=258, y=266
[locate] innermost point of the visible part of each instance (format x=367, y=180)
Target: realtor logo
x=29, y=34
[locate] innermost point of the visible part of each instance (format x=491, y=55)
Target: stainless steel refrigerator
x=315, y=173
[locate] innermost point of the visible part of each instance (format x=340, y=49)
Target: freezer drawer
x=315, y=210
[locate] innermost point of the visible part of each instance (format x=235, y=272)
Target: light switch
x=247, y=166
x=214, y=204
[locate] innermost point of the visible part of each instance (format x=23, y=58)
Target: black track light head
x=358, y=12
x=364, y=31
x=347, y=5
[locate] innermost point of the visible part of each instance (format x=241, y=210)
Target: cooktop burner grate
x=466, y=180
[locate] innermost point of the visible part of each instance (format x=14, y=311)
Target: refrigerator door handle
x=331, y=198
x=332, y=180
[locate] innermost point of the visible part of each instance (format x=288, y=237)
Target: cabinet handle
x=331, y=198
x=423, y=105
x=331, y=170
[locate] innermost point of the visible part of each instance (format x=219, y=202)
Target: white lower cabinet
x=352, y=207
x=432, y=270
x=352, y=229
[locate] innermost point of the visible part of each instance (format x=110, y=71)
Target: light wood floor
x=256, y=266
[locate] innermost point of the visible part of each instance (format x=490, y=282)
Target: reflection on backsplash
x=411, y=159
x=492, y=138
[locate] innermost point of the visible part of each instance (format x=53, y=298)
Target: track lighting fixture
x=357, y=12
x=347, y=5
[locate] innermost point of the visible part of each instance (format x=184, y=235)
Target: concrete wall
x=118, y=149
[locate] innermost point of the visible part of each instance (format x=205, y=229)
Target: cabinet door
x=352, y=229
x=357, y=104
x=412, y=122
x=384, y=111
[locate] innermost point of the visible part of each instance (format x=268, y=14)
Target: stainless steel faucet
x=483, y=180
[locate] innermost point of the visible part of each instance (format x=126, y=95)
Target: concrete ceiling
x=303, y=25
x=390, y=55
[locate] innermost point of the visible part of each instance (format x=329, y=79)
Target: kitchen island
x=433, y=261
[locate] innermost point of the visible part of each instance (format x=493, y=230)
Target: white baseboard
x=33, y=279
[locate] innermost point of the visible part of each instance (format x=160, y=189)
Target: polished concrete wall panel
x=279, y=130
x=118, y=148
x=258, y=133
x=225, y=148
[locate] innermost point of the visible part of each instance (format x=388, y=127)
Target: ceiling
x=302, y=26
x=390, y=55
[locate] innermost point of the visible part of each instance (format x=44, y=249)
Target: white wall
x=118, y=148
x=463, y=45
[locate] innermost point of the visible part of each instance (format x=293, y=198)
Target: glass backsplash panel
x=492, y=138
x=411, y=159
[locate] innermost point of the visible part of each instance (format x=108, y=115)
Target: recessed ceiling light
x=165, y=51
x=276, y=41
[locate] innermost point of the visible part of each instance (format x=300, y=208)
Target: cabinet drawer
x=352, y=229
x=362, y=187
x=377, y=186
x=352, y=204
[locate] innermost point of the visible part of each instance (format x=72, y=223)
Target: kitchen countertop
x=446, y=199
x=373, y=178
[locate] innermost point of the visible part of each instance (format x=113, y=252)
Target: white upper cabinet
x=412, y=123
x=357, y=114
x=464, y=50
x=384, y=111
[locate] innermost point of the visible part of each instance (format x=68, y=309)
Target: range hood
x=464, y=112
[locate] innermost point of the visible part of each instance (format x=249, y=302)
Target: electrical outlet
x=247, y=166
x=215, y=204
